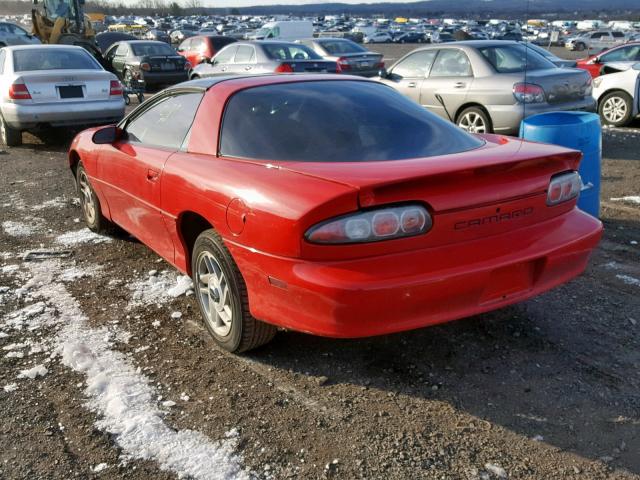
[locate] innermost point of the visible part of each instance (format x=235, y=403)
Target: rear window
x=53, y=59
x=337, y=47
x=335, y=121
x=282, y=51
x=514, y=58
x=150, y=49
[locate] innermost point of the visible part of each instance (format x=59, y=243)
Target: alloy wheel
x=472, y=123
x=86, y=198
x=614, y=109
x=215, y=294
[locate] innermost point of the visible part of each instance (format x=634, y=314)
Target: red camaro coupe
x=333, y=206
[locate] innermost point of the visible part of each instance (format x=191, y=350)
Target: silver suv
x=596, y=41
x=11, y=34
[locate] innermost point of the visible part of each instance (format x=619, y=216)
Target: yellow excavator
x=64, y=22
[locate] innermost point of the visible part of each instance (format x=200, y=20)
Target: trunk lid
x=561, y=85
x=59, y=86
x=495, y=188
x=361, y=61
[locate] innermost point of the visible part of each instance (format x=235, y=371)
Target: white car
x=378, y=37
x=45, y=86
x=618, y=96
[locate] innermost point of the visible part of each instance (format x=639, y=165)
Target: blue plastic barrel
x=579, y=131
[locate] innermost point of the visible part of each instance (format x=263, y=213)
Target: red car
x=623, y=57
x=202, y=48
x=333, y=206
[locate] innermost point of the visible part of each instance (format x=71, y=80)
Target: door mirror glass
x=383, y=73
x=107, y=135
x=636, y=66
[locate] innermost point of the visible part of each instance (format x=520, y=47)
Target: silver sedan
x=54, y=86
x=488, y=86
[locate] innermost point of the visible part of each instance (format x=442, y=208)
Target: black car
x=410, y=37
x=144, y=63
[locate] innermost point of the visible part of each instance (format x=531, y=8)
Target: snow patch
x=629, y=280
x=11, y=387
x=159, y=288
x=57, y=202
x=100, y=467
x=37, y=371
x=125, y=399
x=81, y=236
x=18, y=229
x=628, y=199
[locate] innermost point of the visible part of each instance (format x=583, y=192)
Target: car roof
x=40, y=46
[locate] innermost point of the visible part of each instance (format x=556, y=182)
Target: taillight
x=343, y=64
x=563, y=187
x=284, y=68
x=528, y=93
x=372, y=226
x=115, y=88
x=380, y=65
x=19, y=91
x=145, y=66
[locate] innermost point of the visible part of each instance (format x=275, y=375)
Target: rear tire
x=91, y=209
x=474, y=120
x=615, y=109
x=580, y=47
x=8, y=135
x=222, y=297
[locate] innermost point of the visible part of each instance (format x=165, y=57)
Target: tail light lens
x=528, y=93
x=372, y=226
x=115, y=88
x=284, y=68
x=343, y=64
x=19, y=91
x=145, y=66
x=563, y=187
x=380, y=65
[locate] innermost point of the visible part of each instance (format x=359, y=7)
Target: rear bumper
x=161, y=78
x=28, y=116
x=506, y=118
x=392, y=293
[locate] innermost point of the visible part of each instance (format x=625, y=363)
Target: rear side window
x=245, y=54
x=166, y=123
x=451, y=63
x=416, y=65
x=225, y=55
x=334, y=121
x=618, y=35
x=123, y=50
x=53, y=59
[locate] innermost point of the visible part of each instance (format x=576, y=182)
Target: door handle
x=411, y=84
x=152, y=175
x=224, y=69
x=459, y=85
x=248, y=67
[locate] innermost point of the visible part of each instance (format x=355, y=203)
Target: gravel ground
x=545, y=389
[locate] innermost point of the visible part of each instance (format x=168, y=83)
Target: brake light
x=115, y=88
x=372, y=226
x=19, y=91
x=528, y=93
x=563, y=187
x=343, y=64
x=145, y=66
x=380, y=65
x=284, y=68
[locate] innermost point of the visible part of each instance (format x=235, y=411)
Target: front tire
x=474, y=120
x=580, y=47
x=615, y=109
x=222, y=297
x=91, y=209
x=8, y=135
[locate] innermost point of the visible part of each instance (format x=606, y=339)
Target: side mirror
x=636, y=66
x=35, y=2
x=107, y=135
x=383, y=73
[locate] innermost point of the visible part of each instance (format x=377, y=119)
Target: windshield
x=514, y=58
x=53, y=59
x=283, y=51
x=336, y=47
x=335, y=121
x=59, y=8
x=150, y=49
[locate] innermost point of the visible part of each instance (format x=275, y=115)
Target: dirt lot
x=549, y=388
